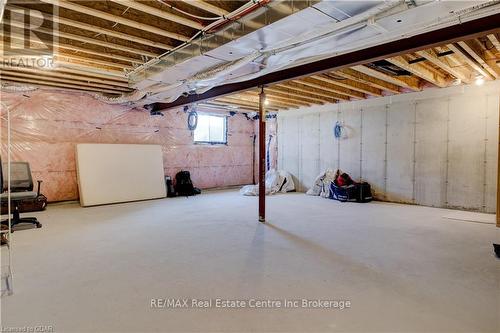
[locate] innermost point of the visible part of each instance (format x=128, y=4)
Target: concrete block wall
x=435, y=148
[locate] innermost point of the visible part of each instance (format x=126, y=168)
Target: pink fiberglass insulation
x=46, y=126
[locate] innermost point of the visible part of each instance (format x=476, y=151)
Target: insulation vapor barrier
x=46, y=126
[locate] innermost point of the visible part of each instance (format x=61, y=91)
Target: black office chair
x=21, y=188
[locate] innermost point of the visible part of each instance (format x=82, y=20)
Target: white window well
x=211, y=129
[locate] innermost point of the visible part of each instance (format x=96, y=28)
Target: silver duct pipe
x=10, y=87
x=124, y=98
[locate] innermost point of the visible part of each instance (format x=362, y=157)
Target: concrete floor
x=403, y=268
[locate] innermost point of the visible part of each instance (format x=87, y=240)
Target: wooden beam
x=249, y=96
x=63, y=58
x=159, y=13
x=331, y=89
x=411, y=83
x=367, y=79
x=89, y=68
x=69, y=74
x=469, y=60
x=351, y=85
x=79, y=49
x=431, y=76
x=117, y=19
x=450, y=34
x=278, y=99
x=494, y=40
x=207, y=7
x=55, y=79
x=325, y=96
x=253, y=102
x=235, y=101
x=323, y=82
x=53, y=84
x=273, y=93
x=307, y=89
x=100, y=30
x=88, y=40
x=431, y=56
x=287, y=93
x=475, y=50
x=221, y=104
x=92, y=60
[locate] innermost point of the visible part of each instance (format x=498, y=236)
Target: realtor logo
x=29, y=34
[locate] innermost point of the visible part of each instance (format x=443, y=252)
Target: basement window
x=211, y=129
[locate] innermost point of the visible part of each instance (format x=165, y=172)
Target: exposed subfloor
x=403, y=268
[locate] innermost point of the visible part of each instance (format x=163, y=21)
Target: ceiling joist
x=117, y=19
x=159, y=13
x=417, y=69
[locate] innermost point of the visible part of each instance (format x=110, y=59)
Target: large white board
x=112, y=173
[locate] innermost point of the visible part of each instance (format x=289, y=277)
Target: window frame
x=212, y=143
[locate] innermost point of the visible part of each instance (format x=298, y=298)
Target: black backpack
x=183, y=184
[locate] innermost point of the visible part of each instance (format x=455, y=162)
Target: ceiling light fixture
x=266, y=102
x=479, y=81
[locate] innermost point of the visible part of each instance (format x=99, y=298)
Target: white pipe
x=3, y=3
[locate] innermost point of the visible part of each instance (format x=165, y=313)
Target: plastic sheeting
x=276, y=181
x=321, y=185
x=46, y=125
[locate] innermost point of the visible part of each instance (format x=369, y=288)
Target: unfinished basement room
x=250, y=166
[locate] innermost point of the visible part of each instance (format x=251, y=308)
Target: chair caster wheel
x=38, y=225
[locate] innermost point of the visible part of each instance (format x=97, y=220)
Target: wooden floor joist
x=62, y=80
x=351, y=85
x=468, y=59
x=117, y=19
x=368, y=80
x=66, y=73
x=411, y=83
x=433, y=58
x=433, y=77
x=159, y=13
x=207, y=7
x=100, y=30
x=12, y=79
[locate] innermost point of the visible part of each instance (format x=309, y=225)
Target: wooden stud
x=118, y=19
x=425, y=73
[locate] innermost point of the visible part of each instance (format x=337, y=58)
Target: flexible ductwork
x=9, y=87
x=133, y=96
